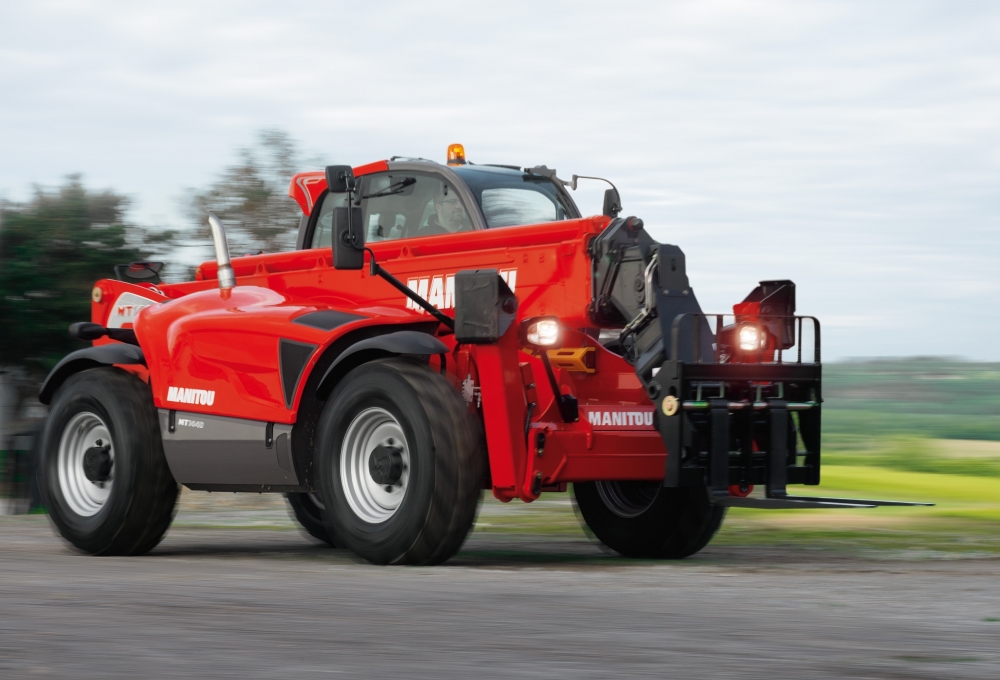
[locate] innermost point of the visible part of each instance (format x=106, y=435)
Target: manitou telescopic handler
x=439, y=330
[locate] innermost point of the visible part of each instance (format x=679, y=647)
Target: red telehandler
x=439, y=330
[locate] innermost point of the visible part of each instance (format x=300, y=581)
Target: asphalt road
x=240, y=602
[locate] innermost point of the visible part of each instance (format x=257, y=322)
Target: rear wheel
x=105, y=479
x=645, y=519
x=308, y=510
x=401, y=464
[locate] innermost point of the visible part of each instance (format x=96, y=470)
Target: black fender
x=390, y=344
x=89, y=357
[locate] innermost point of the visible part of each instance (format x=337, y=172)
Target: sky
x=853, y=147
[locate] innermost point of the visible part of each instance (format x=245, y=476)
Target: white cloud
x=853, y=147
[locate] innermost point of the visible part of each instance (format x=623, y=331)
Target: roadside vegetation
x=56, y=244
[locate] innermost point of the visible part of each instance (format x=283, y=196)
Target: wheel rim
x=628, y=499
x=371, y=501
x=84, y=497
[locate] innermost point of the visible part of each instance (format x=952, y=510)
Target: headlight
x=750, y=338
x=541, y=332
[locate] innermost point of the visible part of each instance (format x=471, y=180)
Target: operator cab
x=413, y=198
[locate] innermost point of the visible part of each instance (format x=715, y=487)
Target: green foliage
x=251, y=197
x=938, y=398
x=52, y=250
x=912, y=454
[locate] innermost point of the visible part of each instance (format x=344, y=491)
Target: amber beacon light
x=456, y=154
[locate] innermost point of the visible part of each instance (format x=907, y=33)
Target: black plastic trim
x=89, y=357
x=754, y=372
x=292, y=359
x=399, y=342
x=326, y=319
x=251, y=488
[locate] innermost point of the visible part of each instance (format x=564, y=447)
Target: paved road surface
x=231, y=602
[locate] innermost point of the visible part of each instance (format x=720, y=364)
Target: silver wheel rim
x=628, y=499
x=372, y=502
x=84, y=497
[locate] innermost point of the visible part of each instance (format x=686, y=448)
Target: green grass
x=964, y=523
x=916, y=454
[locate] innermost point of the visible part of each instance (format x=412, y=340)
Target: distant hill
x=933, y=397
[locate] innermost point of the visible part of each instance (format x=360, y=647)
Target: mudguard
x=400, y=342
x=89, y=357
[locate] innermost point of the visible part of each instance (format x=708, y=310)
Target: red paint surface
x=226, y=343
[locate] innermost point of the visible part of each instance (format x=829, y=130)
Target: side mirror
x=348, y=234
x=148, y=272
x=612, y=203
x=340, y=179
x=348, y=238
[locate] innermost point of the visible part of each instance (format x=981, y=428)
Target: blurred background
x=853, y=147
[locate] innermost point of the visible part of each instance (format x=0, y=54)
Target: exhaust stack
x=226, y=276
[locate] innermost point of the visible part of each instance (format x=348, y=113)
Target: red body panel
x=225, y=344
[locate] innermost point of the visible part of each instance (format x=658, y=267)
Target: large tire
x=646, y=520
x=423, y=505
x=308, y=510
x=129, y=513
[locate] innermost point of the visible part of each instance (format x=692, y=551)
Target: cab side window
x=321, y=237
x=411, y=204
x=398, y=205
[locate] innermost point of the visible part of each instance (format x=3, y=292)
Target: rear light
x=456, y=154
x=541, y=332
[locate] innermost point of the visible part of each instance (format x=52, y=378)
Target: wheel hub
x=97, y=462
x=386, y=464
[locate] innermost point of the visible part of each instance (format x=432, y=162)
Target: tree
x=52, y=250
x=251, y=197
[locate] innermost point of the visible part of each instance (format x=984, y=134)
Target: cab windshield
x=509, y=198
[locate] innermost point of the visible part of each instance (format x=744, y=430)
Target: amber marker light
x=456, y=154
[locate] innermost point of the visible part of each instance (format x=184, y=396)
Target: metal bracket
x=718, y=464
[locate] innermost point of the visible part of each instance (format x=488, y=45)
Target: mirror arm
x=376, y=270
x=572, y=184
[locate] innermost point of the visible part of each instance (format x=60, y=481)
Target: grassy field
x=934, y=398
x=964, y=523
x=894, y=429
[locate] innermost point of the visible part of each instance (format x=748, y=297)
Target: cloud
x=853, y=147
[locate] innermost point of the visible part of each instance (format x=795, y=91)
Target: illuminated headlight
x=750, y=338
x=542, y=333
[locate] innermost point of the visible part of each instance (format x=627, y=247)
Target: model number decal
x=187, y=422
x=126, y=308
x=440, y=290
x=187, y=395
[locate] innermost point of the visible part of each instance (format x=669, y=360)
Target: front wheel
x=104, y=476
x=647, y=520
x=401, y=466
